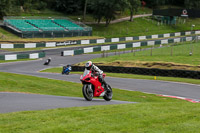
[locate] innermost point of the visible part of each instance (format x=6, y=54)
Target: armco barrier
x=146, y=71
x=22, y=56
x=94, y=41
x=127, y=45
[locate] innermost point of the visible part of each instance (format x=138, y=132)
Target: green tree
x=155, y=3
x=8, y=7
x=97, y=8
x=107, y=9
x=192, y=4
x=85, y=9
x=133, y=6
x=68, y=6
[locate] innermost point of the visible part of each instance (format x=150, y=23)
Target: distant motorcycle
x=66, y=69
x=93, y=88
x=47, y=61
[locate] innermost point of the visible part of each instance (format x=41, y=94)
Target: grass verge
x=6, y=61
x=151, y=114
x=172, y=57
x=141, y=27
x=10, y=38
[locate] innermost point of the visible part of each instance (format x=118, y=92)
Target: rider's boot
x=105, y=86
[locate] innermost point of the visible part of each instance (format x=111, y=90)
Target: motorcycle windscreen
x=86, y=72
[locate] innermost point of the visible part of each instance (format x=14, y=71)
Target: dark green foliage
x=156, y=3
x=8, y=7
x=29, y=5
x=133, y=6
x=192, y=4
x=68, y=6
x=100, y=9
x=107, y=9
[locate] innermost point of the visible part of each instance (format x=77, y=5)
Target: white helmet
x=88, y=65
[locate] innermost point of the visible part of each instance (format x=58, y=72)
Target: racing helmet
x=88, y=65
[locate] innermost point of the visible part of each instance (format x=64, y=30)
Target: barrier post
x=171, y=50
x=106, y=54
x=103, y=53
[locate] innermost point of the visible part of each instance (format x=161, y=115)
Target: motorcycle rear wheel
x=109, y=94
x=87, y=92
x=67, y=73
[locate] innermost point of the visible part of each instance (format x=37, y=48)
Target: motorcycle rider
x=95, y=70
x=47, y=61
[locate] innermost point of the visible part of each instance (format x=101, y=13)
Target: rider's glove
x=100, y=77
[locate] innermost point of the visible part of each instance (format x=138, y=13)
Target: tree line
x=100, y=9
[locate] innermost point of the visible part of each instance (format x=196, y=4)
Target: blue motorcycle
x=66, y=69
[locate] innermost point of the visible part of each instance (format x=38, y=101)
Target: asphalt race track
x=32, y=68
x=12, y=102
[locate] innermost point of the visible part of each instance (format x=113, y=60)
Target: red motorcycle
x=93, y=88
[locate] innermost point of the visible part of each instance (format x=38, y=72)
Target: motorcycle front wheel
x=109, y=94
x=87, y=92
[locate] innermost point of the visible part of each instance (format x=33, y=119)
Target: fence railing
x=129, y=45
x=22, y=56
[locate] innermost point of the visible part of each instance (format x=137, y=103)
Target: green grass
x=7, y=37
x=6, y=61
x=132, y=76
x=21, y=83
x=141, y=10
x=169, y=117
x=180, y=55
x=126, y=13
x=151, y=114
x=116, y=51
x=140, y=27
x=29, y=84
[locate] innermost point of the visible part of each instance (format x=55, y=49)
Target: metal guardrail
x=22, y=56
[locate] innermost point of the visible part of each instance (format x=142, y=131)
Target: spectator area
x=43, y=24
x=45, y=27
x=68, y=24
x=21, y=25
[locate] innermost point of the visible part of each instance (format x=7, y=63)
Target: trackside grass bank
x=29, y=84
x=133, y=76
x=141, y=26
x=151, y=114
x=172, y=57
x=6, y=61
x=167, y=117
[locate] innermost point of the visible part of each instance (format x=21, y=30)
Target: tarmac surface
x=13, y=102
